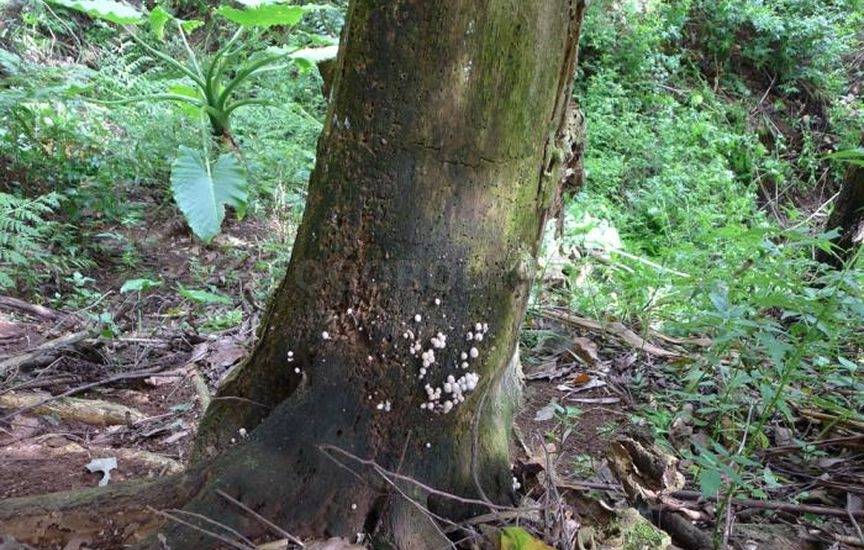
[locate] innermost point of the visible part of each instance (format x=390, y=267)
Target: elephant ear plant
x=211, y=86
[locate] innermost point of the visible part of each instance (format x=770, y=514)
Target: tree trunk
x=848, y=217
x=436, y=169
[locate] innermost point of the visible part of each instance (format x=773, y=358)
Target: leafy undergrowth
x=706, y=190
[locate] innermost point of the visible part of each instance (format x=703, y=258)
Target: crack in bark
x=462, y=162
x=558, y=117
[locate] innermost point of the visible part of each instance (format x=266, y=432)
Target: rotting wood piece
x=89, y=411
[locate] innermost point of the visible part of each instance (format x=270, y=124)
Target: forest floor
x=75, y=389
x=684, y=328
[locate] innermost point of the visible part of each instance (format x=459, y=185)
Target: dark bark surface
x=848, y=217
x=436, y=169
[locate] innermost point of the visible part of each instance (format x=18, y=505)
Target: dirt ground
x=43, y=451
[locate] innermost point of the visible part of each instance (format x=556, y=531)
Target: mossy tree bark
x=848, y=217
x=436, y=169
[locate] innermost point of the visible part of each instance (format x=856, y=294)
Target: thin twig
x=615, y=327
x=819, y=415
x=238, y=398
x=815, y=212
x=855, y=525
x=423, y=509
x=727, y=529
x=764, y=96
x=217, y=536
x=204, y=518
x=374, y=465
x=276, y=529
x=820, y=443
x=649, y=263
x=497, y=516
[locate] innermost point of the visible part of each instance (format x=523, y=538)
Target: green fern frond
x=24, y=230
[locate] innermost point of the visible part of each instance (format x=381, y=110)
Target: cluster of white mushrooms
x=453, y=390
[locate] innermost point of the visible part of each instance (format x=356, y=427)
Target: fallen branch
x=649, y=263
x=820, y=443
x=530, y=515
x=84, y=387
x=428, y=514
x=848, y=540
x=700, y=341
x=742, y=502
x=242, y=544
x=819, y=415
x=201, y=389
x=166, y=465
x=683, y=532
x=41, y=382
x=615, y=328
x=89, y=411
x=43, y=353
x=26, y=307
x=387, y=474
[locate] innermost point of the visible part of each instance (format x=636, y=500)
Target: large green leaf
x=190, y=25
x=854, y=156
x=191, y=92
x=158, y=18
x=203, y=296
x=139, y=285
x=267, y=14
x=309, y=57
x=516, y=538
x=202, y=189
x=109, y=10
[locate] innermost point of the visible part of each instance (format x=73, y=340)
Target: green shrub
x=801, y=43
x=685, y=224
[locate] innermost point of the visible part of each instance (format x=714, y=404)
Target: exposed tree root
x=114, y=515
x=156, y=461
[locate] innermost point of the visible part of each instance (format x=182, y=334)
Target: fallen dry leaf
x=334, y=543
x=546, y=413
x=581, y=378
x=586, y=350
x=596, y=400
x=104, y=465
x=225, y=353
